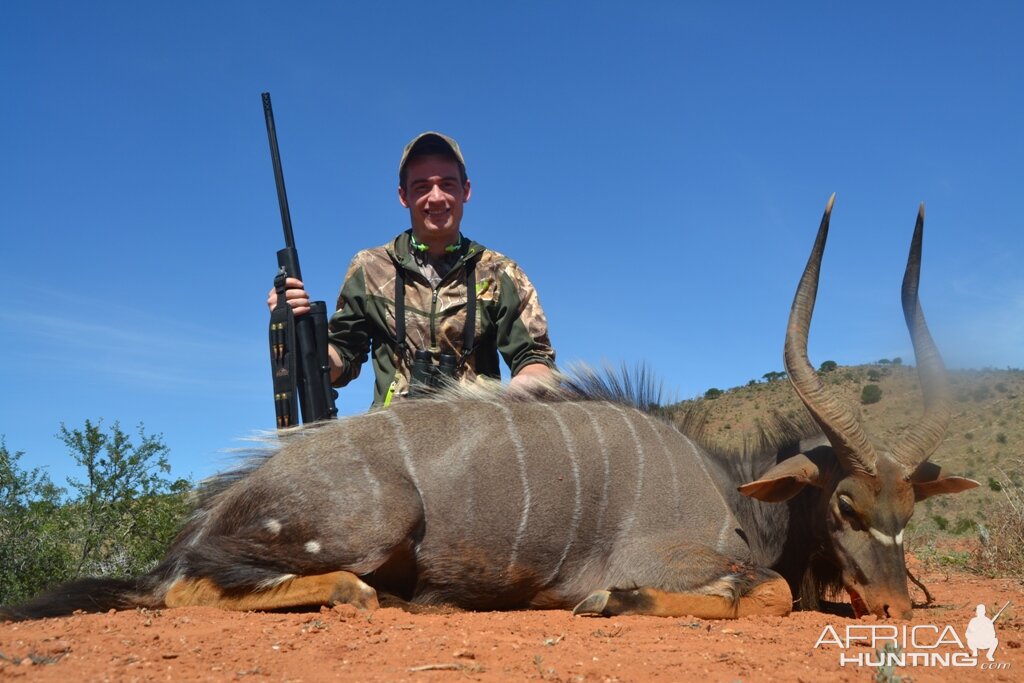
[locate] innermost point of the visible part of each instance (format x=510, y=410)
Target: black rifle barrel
x=282, y=195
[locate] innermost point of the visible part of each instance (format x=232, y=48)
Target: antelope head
x=867, y=496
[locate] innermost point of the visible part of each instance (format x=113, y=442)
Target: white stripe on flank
x=403, y=446
x=641, y=463
x=602, y=508
x=653, y=425
x=466, y=463
x=726, y=531
x=374, y=483
x=577, y=510
x=517, y=443
x=885, y=539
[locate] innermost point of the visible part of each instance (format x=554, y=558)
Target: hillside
x=985, y=440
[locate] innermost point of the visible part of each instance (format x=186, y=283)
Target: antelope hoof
x=593, y=603
x=356, y=593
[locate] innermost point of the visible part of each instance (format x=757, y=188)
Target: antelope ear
x=783, y=481
x=928, y=482
x=927, y=489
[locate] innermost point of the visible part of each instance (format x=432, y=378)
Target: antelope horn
x=833, y=416
x=925, y=437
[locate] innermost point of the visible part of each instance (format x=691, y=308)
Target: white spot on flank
x=312, y=547
x=273, y=526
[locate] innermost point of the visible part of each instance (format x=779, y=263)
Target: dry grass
x=1001, y=551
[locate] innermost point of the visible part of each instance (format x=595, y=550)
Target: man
x=413, y=293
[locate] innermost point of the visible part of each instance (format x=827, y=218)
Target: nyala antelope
x=577, y=501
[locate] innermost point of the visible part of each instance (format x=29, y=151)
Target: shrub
x=1002, y=536
x=871, y=393
x=33, y=538
x=963, y=525
x=874, y=375
x=828, y=366
x=713, y=393
x=118, y=521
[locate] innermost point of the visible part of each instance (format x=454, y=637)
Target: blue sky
x=657, y=168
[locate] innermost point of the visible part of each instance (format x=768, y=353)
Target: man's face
x=434, y=194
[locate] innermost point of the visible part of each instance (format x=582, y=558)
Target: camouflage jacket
x=509, y=318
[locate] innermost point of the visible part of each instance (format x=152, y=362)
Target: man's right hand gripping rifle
x=297, y=297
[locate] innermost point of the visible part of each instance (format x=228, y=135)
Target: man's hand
x=298, y=299
x=295, y=295
x=535, y=378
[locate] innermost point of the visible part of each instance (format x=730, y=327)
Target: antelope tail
x=89, y=595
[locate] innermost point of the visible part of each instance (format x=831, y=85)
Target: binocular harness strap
x=468, y=331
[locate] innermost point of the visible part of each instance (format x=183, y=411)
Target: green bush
x=34, y=538
x=828, y=366
x=118, y=520
x=713, y=393
x=871, y=393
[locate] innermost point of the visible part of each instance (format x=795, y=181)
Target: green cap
x=431, y=142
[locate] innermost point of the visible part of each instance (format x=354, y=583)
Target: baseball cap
x=431, y=142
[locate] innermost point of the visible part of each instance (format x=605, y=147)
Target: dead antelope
x=575, y=502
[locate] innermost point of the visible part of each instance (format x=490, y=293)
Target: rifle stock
x=298, y=346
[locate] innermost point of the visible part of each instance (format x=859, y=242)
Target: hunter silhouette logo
x=917, y=645
x=981, y=633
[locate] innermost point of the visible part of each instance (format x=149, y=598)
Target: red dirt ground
x=342, y=644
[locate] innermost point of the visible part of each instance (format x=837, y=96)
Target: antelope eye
x=846, y=507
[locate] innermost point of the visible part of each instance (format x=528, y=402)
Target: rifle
x=298, y=346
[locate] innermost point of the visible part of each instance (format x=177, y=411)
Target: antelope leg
x=320, y=589
x=771, y=597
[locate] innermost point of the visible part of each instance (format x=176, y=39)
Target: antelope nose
x=904, y=612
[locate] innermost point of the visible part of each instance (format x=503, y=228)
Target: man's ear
x=402, y=197
x=784, y=481
x=466, y=191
